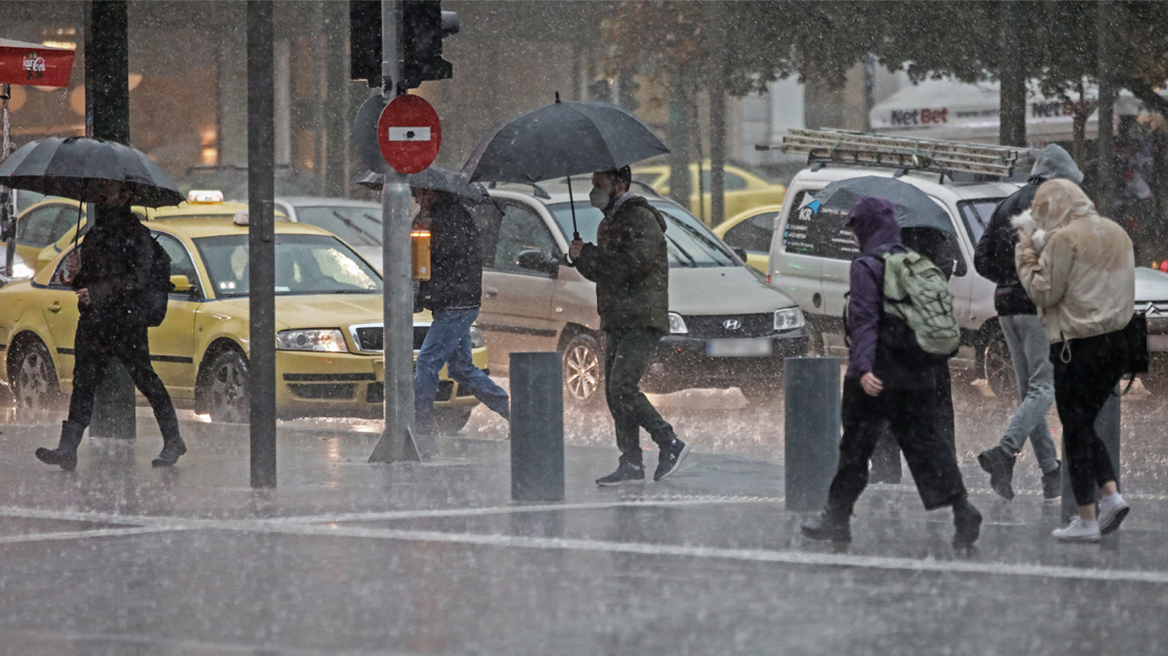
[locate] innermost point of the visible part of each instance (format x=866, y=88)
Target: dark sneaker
x=828, y=527
x=1000, y=466
x=670, y=459
x=1052, y=485
x=967, y=521
x=625, y=474
x=170, y=454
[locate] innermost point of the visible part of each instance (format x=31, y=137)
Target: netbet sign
x=928, y=116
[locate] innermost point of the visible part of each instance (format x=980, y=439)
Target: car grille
x=714, y=326
x=368, y=337
x=332, y=392
x=375, y=392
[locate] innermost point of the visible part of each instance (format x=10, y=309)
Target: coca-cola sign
x=34, y=66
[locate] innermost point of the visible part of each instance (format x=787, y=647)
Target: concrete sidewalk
x=348, y=557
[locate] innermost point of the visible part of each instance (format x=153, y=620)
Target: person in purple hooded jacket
x=882, y=393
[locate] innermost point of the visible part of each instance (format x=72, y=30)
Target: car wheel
x=34, y=378
x=226, y=388
x=999, y=370
x=450, y=421
x=583, y=370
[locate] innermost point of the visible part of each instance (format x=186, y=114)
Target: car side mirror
x=183, y=285
x=539, y=261
x=740, y=252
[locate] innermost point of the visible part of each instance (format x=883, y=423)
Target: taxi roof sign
x=204, y=197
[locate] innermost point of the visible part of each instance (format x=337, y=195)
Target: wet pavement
x=345, y=557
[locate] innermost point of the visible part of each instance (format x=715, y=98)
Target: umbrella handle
x=80, y=204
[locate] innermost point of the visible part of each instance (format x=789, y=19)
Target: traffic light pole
x=398, y=442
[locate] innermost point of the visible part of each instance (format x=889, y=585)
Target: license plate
x=738, y=348
x=1157, y=343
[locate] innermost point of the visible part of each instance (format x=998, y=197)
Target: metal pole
x=537, y=427
x=398, y=441
x=261, y=154
x=812, y=430
x=7, y=207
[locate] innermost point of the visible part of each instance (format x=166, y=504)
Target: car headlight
x=329, y=341
x=476, y=338
x=677, y=324
x=788, y=319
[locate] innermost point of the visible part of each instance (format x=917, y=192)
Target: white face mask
x=599, y=198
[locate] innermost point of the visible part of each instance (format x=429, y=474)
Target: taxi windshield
x=305, y=264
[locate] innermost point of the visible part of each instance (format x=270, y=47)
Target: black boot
x=967, y=521
x=831, y=525
x=65, y=454
x=1000, y=466
x=172, y=448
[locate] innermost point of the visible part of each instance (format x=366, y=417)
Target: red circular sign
x=409, y=134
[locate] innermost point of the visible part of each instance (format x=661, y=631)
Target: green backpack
x=916, y=292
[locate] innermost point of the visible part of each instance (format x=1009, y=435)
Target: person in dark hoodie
x=453, y=295
x=1024, y=334
x=630, y=265
x=883, y=393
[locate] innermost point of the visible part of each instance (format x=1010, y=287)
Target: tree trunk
x=1105, y=144
x=680, y=129
x=717, y=117
x=1012, y=131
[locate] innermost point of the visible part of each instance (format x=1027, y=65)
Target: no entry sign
x=409, y=134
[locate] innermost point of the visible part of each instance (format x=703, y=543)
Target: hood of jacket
x=639, y=201
x=1053, y=163
x=873, y=219
x=1056, y=204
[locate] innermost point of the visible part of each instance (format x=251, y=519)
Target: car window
x=305, y=264
x=521, y=229
x=976, y=215
x=359, y=226
x=690, y=242
x=36, y=228
x=821, y=234
x=56, y=279
x=753, y=234
x=732, y=181
x=180, y=260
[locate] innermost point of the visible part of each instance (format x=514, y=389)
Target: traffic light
x=424, y=25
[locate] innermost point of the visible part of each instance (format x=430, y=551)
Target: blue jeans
x=448, y=343
x=1030, y=354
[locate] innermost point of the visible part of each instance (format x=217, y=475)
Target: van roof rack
x=866, y=149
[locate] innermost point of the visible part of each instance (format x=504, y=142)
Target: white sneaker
x=1078, y=531
x=1112, y=511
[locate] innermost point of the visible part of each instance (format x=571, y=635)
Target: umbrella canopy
x=71, y=167
x=914, y=208
x=559, y=140
x=434, y=178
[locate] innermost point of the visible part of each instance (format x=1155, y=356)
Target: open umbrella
x=73, y=167
x=561, y=140
x=914, y=208
x=435, y=178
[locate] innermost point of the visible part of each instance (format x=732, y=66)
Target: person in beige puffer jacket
x=1079, y=270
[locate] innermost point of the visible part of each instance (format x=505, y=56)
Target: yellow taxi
x=328, y=319
x=48, y=227
x=751, y=232
x=744, y=190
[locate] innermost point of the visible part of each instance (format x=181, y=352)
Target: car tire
x=225, y=388
x=448, y=421
x=583, y=370
x=34, y=378
x=999, y=370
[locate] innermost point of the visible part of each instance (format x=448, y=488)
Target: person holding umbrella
x=453, y=295
x=630, y=266
x=110, y=276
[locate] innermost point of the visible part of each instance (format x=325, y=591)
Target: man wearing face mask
x=110, y=275
x=453, y=295
x=630, y=265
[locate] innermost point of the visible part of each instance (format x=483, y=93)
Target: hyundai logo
x=732, y=324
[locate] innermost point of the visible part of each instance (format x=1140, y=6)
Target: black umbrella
x=435, y=178
x=561, y=140
x=74, y=167
x=914, y=208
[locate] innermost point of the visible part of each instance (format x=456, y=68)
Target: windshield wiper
x=692, y=262
x=373, y=240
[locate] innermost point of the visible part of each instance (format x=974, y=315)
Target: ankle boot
x=65, y=454
x=967, y=522
x=172, y=448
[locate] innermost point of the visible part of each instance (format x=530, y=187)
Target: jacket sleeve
x=863, y=316
x=625, y=258
x=1045, y=276
x=994, y=257
x=141, y=255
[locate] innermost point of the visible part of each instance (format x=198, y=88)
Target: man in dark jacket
x=884, y=393
x=1024, y=334
x=630, y=266
x=453, y=295
x=110, y=277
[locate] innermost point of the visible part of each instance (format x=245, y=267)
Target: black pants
x=627, y=354
x=93, y=349
x=1082, y=386
x=912, y=418
x=886, y=456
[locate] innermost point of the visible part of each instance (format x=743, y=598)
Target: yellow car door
x=59, y=304
x=172, y=344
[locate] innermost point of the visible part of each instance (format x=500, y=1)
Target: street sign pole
x=398, y=442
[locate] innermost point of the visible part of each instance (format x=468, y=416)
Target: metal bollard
x=812, y=430
x=537, y=427
x=1107, y=426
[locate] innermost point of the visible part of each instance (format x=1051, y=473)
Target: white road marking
x=80, y=535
